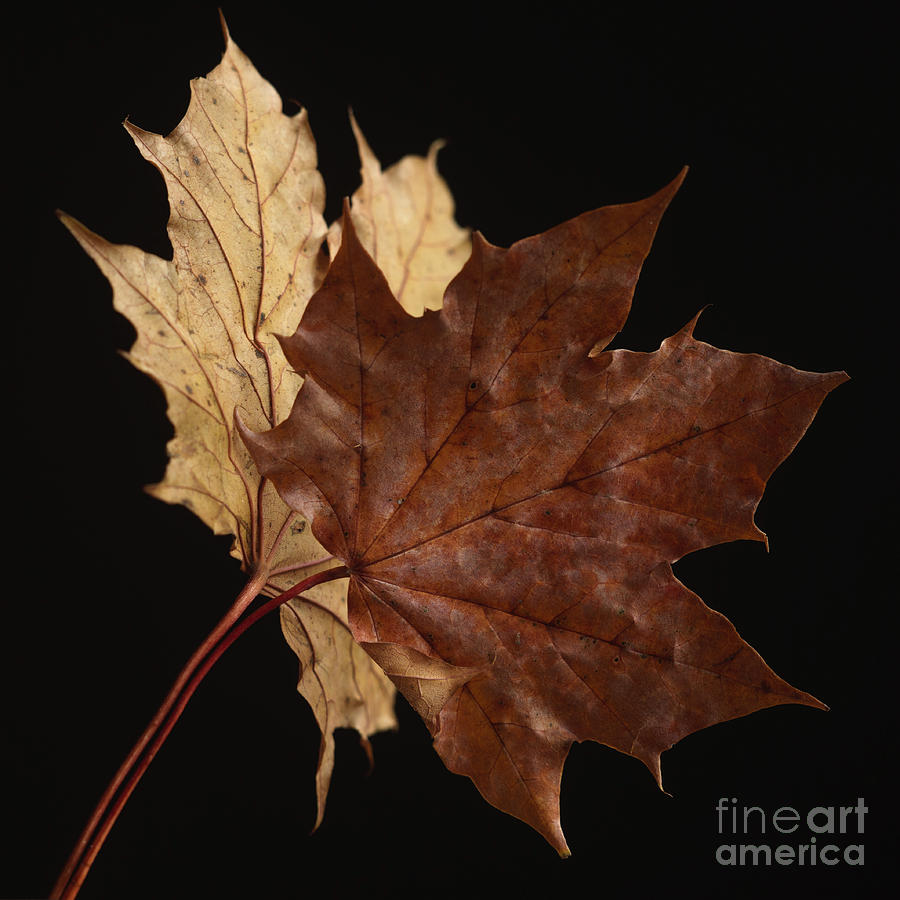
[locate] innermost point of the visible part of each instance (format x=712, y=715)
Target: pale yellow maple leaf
x=247, y=232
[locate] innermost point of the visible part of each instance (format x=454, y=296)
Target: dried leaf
x=247, y=232
x=509, y=498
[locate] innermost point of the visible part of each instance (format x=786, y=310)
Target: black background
x=784, y=225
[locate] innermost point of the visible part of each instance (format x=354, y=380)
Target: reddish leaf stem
x=226, y=632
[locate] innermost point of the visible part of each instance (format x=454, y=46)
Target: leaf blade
x=511, y=526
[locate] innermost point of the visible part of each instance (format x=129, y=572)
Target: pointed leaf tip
x=224, y=26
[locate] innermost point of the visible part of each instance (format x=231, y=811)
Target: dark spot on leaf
x=201, y=278
x=473, y=386
x=298, y=527
x=189, y=389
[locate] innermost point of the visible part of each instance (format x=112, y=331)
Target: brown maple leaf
x=247, y=233
x=509, y=497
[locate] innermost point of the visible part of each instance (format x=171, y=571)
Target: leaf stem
x=226, y=632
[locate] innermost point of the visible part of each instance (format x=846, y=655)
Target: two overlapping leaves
x=507, y=494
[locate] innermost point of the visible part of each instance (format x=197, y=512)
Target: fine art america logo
x=820, y=836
